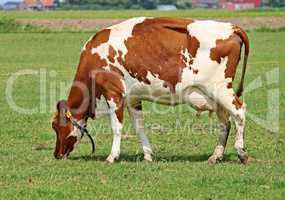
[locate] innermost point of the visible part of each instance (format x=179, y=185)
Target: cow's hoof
x=148, y=157
x=212, y=160
x=243, y=158
x=111, y=159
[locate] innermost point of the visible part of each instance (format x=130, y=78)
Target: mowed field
x=181, y=142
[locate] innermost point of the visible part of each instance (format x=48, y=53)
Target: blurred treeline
x=124, y=4
x=274, y=3
x=144, y=4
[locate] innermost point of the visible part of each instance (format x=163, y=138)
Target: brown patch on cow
x=112, y=54
x=230, y=85
x=194, y=44
x=195, y=71
x=97, y=62
x=230, y=47
x=214, y=55
x=110, y=81
x=161, y=57
x=62, y=127
x=98, y=39
x=237, y=102
x=110, y=86
x=120, y=57
x=233, y=57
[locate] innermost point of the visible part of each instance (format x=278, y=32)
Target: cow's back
x=167, y=55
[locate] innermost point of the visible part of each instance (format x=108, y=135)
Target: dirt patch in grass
x=72, y=24
x=256, y=22
x=89, y=24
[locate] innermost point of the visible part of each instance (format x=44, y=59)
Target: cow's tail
x=242, y=34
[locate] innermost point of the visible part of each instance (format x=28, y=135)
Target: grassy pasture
x=121, y=14
x=180, y=170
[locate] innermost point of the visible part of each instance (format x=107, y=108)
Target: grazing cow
x=169, y=61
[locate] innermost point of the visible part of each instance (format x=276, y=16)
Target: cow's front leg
x=225, y=126
x=136, y=115
x=116, y=118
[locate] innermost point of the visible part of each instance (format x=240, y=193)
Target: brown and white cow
x=169, y=61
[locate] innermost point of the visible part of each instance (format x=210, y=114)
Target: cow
x=169, y=61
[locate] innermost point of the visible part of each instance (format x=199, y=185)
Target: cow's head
x=67, y=135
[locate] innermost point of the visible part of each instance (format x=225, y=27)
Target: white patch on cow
x=124, y=87
x=240, y=123
x=102, y=50
x=118, y=35
x=135, y=88
x=211, y=74
x=155, y=91
x=199, y=100
x=187, y=80
x=121, y=32
x=207, y=32
x=138, y=124
x=117, y=129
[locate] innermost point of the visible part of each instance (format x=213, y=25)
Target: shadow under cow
x=156, y=158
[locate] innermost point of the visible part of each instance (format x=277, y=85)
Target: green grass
x=114, y=14
x=180, y=171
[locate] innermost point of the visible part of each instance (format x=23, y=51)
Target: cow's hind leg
x=236, y=109
x=136, y=115
x=225, y=126
x=239, y=119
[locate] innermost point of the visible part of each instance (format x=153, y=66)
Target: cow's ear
x=62, y=106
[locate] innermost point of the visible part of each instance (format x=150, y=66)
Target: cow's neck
x=77, y=101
